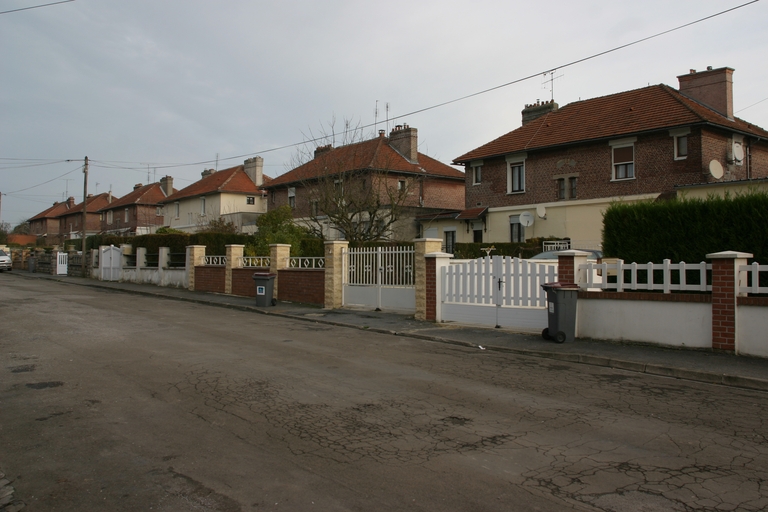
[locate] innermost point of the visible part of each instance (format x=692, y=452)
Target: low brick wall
x=242, y=281
x=210, y=279
x=301, y=285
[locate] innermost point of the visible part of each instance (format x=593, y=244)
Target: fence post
x=435, y=263
x=279, y=259
x=234, y=260
x=334, y=270
x=195, y=257
x=725, y=290
x=422, y=247
x=568, y=263
x=163, y=255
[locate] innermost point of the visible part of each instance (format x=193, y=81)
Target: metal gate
x=380, y=277
x=110, y=263
x=61, y=264
x=496, y=291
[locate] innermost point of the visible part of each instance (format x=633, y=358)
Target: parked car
x=5, y=261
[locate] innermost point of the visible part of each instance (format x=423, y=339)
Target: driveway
x=118, y=402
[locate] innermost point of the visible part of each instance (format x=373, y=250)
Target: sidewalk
x=690, y=364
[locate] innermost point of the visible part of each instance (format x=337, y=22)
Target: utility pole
x=85, y=210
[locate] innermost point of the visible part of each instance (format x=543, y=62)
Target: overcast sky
x=145, y=84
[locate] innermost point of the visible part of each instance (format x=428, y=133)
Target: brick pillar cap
x=234, y=245
x=572, y=252
x=196, y=246
x=278, y=245
x=428, y=240
x=729, y=255
x=332, y=242
x=438, y=255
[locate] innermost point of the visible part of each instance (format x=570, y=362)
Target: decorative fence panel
x=380, y=277
x=749, y=279
x=666, y=277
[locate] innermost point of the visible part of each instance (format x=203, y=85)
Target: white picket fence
x=750, y=277
x=666, y=277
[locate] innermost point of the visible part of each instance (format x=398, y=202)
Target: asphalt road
x=119, y=402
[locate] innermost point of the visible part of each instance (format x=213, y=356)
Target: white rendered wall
x=752, y=331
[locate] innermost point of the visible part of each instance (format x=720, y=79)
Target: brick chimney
x=319, y=150
x=713, y=88
x=166, y=183
x=70, y=202
x=254, y=168
x=538, y=109
x=207, y=172
x=137, y=186
x=405, y=140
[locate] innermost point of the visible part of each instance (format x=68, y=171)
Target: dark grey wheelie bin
x=561, y=311
x=265, y=283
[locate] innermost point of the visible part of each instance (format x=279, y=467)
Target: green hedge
x=687, y=229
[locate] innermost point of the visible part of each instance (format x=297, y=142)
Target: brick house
x=139, y=212
x=383, y=181
x=71, y=221
x=45, y=225
x=233, y=195
x=562, y=168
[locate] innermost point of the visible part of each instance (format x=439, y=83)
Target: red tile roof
x=373, y=154
x=233, y=180
x=651, y=108
x=151, y=194
x=95, y=203
x=54, y=211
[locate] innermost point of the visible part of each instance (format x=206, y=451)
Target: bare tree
x=352, y=187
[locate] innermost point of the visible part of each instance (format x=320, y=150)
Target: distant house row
x=552, y=177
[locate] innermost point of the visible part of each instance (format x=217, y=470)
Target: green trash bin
x=265, y=283
x=561, y=311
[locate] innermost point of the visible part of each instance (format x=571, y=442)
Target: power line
x=45, y=182
x=752, y=105
x=36, y=6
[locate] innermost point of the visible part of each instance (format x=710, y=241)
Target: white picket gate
x=61, y=264
x=110, y=263
x=496, y=291
x=380, y=277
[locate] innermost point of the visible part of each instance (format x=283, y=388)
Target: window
x=623, y=155
x=572, y=187
x=292, y=197
x=561, y=188
x=477, y=236
x=477, y=174
x=125, y=219
x=401, y=185
x=176, y=209
x=516, y=173
x=159, y=211
x=681, y=147
x=313, y=208
x=566, y=187
x=202, y=206
x=109, y=217
x=516, y=230
x=450, y=241
x=250, y=200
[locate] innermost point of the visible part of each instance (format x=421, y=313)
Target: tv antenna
x=217, y=164
x=551, y=81
x=97, y=188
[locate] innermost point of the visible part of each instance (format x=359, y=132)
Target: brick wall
x=302, y=285
x=209, y=279
x=242, y=282
x=723, y=305
x=431, y=275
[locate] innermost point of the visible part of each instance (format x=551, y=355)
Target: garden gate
x=380, y=278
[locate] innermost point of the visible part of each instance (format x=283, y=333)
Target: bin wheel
x=274, y=302
x=560, y=337
x=545, y=333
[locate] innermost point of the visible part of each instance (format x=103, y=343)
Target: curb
x=632, y=366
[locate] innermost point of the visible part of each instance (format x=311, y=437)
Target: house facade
x=71, y=221
x=370, y=189
x=45, y=225
x=558, y=172
x=138, y=213
x=233, y=195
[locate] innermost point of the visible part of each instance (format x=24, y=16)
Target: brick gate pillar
x=725, y=290
x=334, y=269
x=195, y=257
x=434, y=266
x=234, y=254
x=568, y=263
x=279, y=259
x=422, y=247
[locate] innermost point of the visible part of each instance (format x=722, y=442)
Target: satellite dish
x=716, y=169
x=738, y=152
x=526, y=219
x=541, y=211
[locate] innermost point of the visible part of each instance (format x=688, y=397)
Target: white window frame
x=514, y=220
x=177, y=209
x=623, y=143
x=513, y=162
x=202, y=206
x=110, y=217
x=250, y=199
x=676, y=134
x=292, y=197
x=452, y=230
x=477, y=171
x=127, y=215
